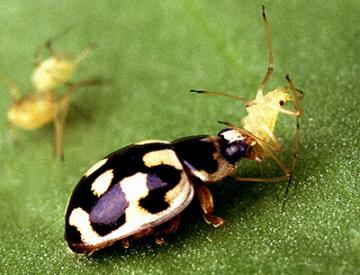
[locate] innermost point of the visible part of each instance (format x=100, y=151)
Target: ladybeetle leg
x=207, y=205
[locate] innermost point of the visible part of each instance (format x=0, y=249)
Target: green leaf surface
x=154, y=52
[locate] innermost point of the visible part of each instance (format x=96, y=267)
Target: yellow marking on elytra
x=151, y=141
x=179, y=190
x=102, y=183
x=135, y=188
x=80, y=219
x=95, y=167
x=166, y=156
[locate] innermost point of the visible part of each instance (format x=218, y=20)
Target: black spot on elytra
x=104, y=229
x=108, y=212
x=72, y=235
x=154, y=202
x=197, y=153
x=83, y=197
x=160, y=180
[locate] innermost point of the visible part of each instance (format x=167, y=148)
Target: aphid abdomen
x=32, y=112
x=260, y=121
x=132, y=190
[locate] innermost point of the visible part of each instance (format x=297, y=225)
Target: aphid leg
x=15, y=95
x=84, y=54
x=295, y=93
x=12, y=87
x=297, y=139
x=273, y=139
x=72, y=87
x=10, y=132
x=207, y=205
x=59, y=135
x=215, y=93
x=287, y=172
x=275, y=146
x=14, y=135
x=166, y=229
x=289, y=112
x=271, y=63
x=62, y=111
x=59, y=123
x=48, y=45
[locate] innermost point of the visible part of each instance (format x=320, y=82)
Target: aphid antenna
x=49, y=42
x=84, y=54
x=270, y=68
x=216, y=93
x=12, y=87
x=57, y=36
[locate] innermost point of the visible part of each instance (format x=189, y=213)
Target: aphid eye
x=281, y=102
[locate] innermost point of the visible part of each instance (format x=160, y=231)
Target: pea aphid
x=46, y=104
x=36, y=110
x=258, y=125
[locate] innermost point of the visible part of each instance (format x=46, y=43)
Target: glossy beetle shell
x=141, y=186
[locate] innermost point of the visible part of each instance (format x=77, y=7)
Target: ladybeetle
x=141, y=189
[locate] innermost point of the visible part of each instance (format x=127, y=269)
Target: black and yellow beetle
x=141, y=189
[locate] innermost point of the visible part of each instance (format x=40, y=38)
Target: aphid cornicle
x=142, y=189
